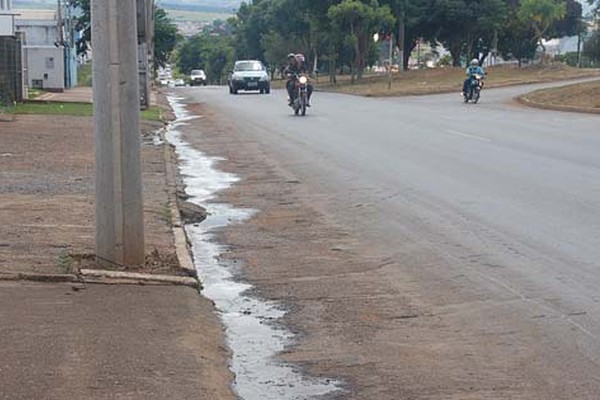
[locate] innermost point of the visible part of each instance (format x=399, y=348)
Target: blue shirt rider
x=473, y=69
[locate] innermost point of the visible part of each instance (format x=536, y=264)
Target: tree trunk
x=543, y=57
x=455, y=53
x=332, y=70
x=408, y=49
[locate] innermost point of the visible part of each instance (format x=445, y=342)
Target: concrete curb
x=104, y=277
x=182, y=244
x=53, y=278
x=118, y=277
x=526, y=101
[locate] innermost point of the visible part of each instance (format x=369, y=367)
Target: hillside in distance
x=212, y=6
x=216, y=6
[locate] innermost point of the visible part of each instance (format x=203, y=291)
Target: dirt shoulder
x=386, y=322
x=85, y=341
x=47, y=193
x=448, y=80
x=581, y=97
x=101, y=342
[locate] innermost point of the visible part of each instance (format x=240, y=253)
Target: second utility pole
x=119, y=204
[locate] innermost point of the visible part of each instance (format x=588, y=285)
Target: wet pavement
x=468, y=249
x=253, y=328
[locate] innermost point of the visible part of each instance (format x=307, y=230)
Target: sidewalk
x=85, y=341
x=79, y=95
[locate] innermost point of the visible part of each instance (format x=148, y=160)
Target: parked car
x=249, y=75
x=179, y=82
x=197, y=77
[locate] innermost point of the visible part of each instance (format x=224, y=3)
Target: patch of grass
x=35, y=93
x=55, y=108
x=448, y=80
x=84, y=75
x=6, y=113
x=154, y=113
x=75, y=109
x=65, y=262
x=165, y=214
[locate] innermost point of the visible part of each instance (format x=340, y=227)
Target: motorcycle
x=475, y=87
x=300, y=101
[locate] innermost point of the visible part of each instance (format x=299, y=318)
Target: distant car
x=197, y=77
x=179, y=82
x=249, y=75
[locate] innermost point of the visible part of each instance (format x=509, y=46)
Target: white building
x=7, y=18
x=43, y=49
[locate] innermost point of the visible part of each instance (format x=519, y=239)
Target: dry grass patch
x=581, y=95
x=448, y=80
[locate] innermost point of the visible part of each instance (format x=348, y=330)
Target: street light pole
x=391, y=54
x=119, y=203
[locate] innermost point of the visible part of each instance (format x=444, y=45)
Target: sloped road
x=484, y=218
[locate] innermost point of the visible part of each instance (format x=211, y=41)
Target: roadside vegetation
x=84, y=75
x=448, y=80
x=74, y=109
x=338, y=36
x=34, y=93
x=165, y=37
x=581, y=95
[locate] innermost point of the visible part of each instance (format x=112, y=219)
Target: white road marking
x=469, y=136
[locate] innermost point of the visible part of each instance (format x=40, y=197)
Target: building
x=49, y=54
x=7, y=18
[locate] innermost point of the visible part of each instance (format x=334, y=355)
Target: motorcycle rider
x=473, y=69
x=296, y=66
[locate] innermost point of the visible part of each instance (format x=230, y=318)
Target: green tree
x=571, y=23
x=276, y=49
x=210, y=52
x=165, y=32
x=83, y=24
x=515, y=40
x=540, y=15
x=165, y=38
x=415, y=16
x=357, y=22
x=468, y=27
x=591, y=48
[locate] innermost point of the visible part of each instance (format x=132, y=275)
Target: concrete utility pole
x=144, y=18
x=119, y=203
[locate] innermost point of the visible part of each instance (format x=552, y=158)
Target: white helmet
x=474, y=62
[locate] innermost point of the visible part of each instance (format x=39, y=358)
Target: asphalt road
x=496, y=201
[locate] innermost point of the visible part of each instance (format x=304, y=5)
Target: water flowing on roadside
x=251, y=324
